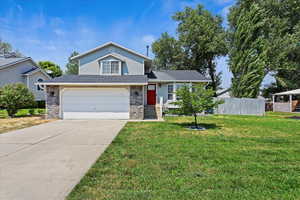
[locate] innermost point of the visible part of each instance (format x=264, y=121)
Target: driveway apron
x=48, y=160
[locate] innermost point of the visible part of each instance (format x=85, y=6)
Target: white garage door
x=95, y=103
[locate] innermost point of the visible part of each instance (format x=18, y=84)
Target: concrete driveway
x=48, y=160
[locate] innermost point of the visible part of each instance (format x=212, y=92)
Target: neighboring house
x=23, y=70
x=114, y=82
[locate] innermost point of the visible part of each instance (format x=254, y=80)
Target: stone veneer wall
x=136, y=102
x=52, y=102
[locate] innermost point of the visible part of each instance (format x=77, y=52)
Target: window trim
x=174, y=85
x=170, y=93
x=39, y=87
x=110, y=64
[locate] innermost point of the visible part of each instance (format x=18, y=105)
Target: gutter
x=90, y=84
x=179, y=81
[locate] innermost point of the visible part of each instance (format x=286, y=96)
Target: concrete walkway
x=48, y=160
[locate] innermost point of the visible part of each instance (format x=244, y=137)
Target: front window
x=111, y=67
x=170, y=92
x=177, y=88
x=172, y=88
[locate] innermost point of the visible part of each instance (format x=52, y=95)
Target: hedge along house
x=115, y=82
x=288, y=101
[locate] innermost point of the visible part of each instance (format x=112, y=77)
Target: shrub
x=15, y=96
x=31, y=111
x=40, y=104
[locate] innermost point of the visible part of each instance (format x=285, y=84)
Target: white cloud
x=148, y=39
x=38, y=21
x=56, y=21
x=59, y=32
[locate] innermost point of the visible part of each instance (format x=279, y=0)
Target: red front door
x=151, y=95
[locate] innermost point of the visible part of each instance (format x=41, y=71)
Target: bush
x=40, y=104
x=31, y=111
x=15, y=96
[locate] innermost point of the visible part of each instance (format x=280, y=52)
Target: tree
x=14, y=97
x=72, y=66
x=168, y=53
x=51, y=68
x=195, y=100
x=263, y=37
x=203, y=39
x=247, y=55
x=6, y=48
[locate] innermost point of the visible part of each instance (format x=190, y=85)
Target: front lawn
x=23, y=119
x=237, y=157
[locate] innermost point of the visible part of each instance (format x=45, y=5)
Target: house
x=23, y=70
x=114, y=82
x=288, y=101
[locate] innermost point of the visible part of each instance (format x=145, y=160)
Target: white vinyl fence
x=243, y=106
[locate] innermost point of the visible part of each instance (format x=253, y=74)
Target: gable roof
x=178, y=76
x=97, y=80
x=6, y=62
x=35, y=70
x=110, y=44
x=111, y=55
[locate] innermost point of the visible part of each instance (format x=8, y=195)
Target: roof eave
x=89, y=84
x=180, y=81
x=16, y=62
x=107, y=44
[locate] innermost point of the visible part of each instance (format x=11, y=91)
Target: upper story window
x=110, y=67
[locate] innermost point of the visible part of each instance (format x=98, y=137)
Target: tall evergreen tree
x=72, y=65
x=269, y=30
x=247, y=56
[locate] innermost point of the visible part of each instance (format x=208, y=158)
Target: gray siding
x=32, y=79
x=162, y=91
x=13, y=74
x=132, y=65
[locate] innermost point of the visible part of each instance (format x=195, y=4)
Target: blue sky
x=52, y=29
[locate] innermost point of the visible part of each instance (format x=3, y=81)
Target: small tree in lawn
x=14, y=97
x=195, y=100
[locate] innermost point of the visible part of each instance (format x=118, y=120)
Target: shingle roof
x=4, y=62
x=113, y=44
x=31, y=70
x=130, y=79
x=177, y=75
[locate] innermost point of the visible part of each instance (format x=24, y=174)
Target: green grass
x=237, y=157
x=23, y=112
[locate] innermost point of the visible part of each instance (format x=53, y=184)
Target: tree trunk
x=195, y=117
x=212, y=74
